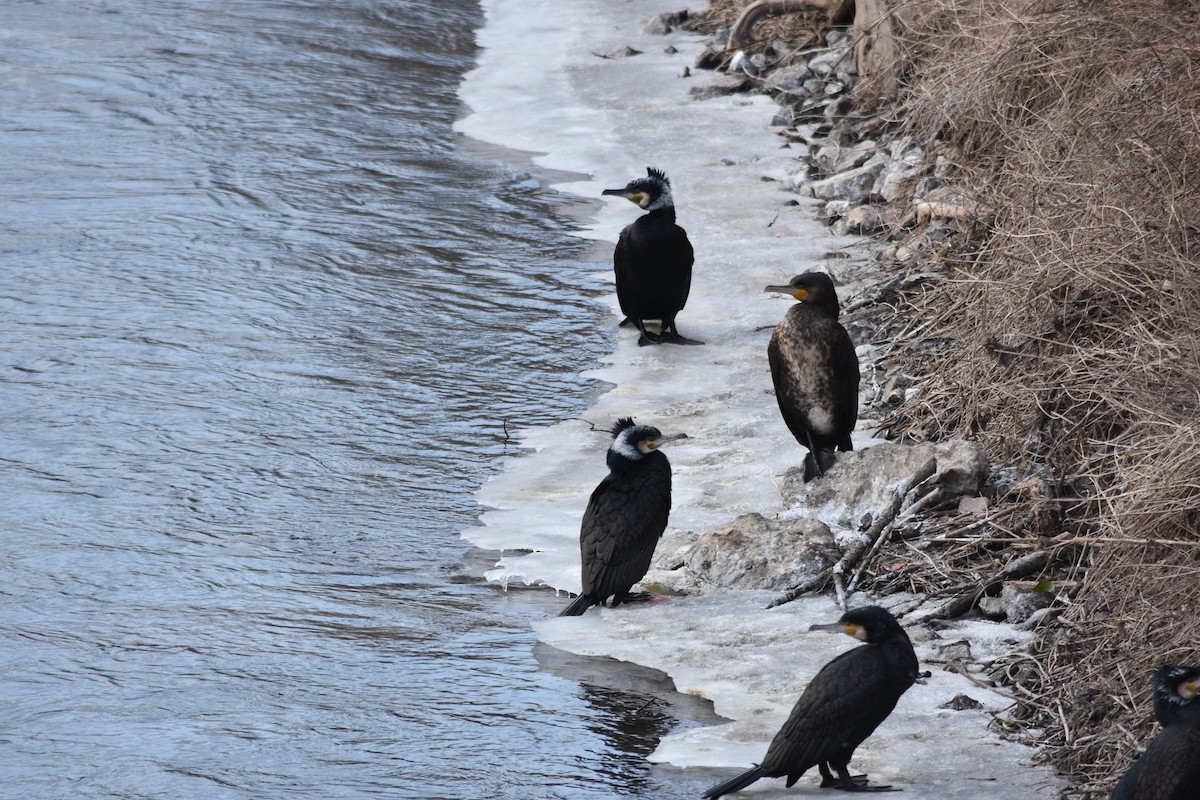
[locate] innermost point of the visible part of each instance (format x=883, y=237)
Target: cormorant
x=840, y=707
x=653, y=261
x=625, y=516
x=1170, y=767
x=815, y=371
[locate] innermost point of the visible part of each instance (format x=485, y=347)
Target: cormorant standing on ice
x=653, y=260
x=625, y=516
x=1170, y=767
x=815, y=371
x=840, y=707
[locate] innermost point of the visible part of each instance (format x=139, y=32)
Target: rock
x=896, y=178
x=1021, y=604
x=962, y=467
x=961, y=702
x=753, y=552
x=992, y=608
x=787, y=79
x=710, y=57
x=854, y=185
x=721, y=85
x=833, y=158
x=824, y=64
x=666, y=22
x=862, y=221
x=864, y=483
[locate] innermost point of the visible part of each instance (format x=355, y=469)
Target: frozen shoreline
x=540, y=88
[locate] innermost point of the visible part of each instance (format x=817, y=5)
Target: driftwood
x=839, y=11
x=878, y=29
x=881, y=529
x=1019, y=568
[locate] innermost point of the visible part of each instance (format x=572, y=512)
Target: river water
x=266, y=321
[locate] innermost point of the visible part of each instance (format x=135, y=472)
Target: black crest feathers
x=624, y=423
x=658, y=174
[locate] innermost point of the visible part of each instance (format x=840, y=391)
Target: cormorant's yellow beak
x=857, y=631
x=654, y=444
x=634, y=197
x=798, y=292
x=1189, y=689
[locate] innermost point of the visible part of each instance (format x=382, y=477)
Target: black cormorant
x=815, y=371
x=653, y=260
x=1170, y=767
x=840, y=707
x=625, y=516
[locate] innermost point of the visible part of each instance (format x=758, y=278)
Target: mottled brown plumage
x=815, y=371
x=625, y=516
x=841, y=706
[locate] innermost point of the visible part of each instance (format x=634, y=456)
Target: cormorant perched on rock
x=815, y=371
x=653, y=260
x=1170, y=767
x=840, y=707
x=625, y=516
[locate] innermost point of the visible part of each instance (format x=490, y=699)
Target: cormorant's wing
x=620, y=528
x=846, y=700
x=622, y=266
x=686, y=256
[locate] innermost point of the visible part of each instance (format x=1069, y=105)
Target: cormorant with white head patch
x=653, y=261
x=1170, y=767
x=625, y=517
x=841, y=706
x=815, y=371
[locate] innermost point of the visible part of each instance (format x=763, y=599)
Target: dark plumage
x=653, y=261
x=841, y=706
x=815, y=371
x=1170, y=767
x=625, y=516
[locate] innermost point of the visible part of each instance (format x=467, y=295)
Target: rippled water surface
x=263, y=320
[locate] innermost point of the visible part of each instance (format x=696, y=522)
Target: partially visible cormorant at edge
x=653, y=261
x=1170, y=767
x=815, y=371
x=625, y=517
x=841, y=706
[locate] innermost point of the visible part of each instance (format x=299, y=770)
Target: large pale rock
x=753, y=552
x=864, y=484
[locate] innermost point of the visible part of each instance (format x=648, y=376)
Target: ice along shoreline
x=541, y=87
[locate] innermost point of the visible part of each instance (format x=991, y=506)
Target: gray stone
x=825, y=63
x=787, y=79
x=753, y=552
x=833, y=158
x=1020, y=604
x=862, y=221
x=853, y=185
x=864, y=483
x=721, y=85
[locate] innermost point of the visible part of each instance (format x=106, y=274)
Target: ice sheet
x=540, y=87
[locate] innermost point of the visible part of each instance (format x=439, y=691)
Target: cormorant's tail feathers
x=815, y=466
x=578, y=606
x=735, y=784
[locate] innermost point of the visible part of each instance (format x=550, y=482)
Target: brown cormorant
x=815, y=371
x=840, y=707
x=653, y=261
x=625, y=516
x=1170, y=767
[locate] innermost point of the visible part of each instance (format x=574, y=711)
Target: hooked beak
x=654, y=444
x=857, y=631
x=799, y=293
x=637, y=198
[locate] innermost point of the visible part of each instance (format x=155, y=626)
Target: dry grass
x=1059, y=330
x=1069, y=328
